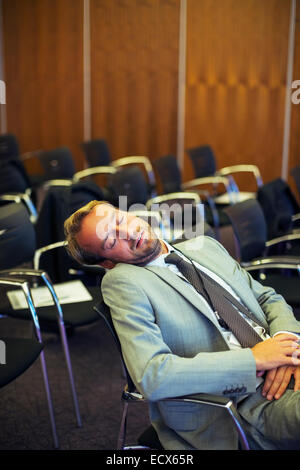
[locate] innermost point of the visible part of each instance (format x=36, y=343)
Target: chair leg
x=49, y=400
x=122, y=432
x=63, y=336
x=65, y=345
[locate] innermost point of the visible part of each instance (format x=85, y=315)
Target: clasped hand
x=279, y=356
x=277, y=380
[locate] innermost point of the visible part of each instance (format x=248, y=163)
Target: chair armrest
x=31, y=273
x=16, y=282
x=296, y=217
x=210, y=180
x=132, y=396
x=275, y=262
x=25, y=198
x=132, y=160
x=206, y=399
x=95, y=170
x=242, y=168
x=178, y=195
x=136, y=160
x=222, y=402
x=57, y=182
x=38, y=253
x=295, y=235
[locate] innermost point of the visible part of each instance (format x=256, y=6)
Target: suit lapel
x=242, y=290
x=180, y=285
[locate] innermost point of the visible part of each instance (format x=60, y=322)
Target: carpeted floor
x=24, y=419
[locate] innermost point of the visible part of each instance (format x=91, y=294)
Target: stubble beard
x=150, y=254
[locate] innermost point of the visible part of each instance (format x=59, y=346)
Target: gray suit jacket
x=173, y=345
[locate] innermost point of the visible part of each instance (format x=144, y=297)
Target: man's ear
x=107, y=264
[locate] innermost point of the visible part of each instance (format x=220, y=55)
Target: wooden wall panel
x=134, y=74
x=294, y=156
x=236, y=72
x=44, y=73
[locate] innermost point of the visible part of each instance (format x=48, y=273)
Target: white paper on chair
x=67, y=292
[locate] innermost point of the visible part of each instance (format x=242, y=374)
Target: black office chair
x=250, y=229
x=18, y=354
x=169, y=173
x=128, y=183
x=17, y=246
x=58, y=163
x=144, y=164
x=280, y=208
x=205, y=165
x=295, y=172
x=96, y=152
x=59, y=203
x=15, y=185
x=9, y=146
x=10, y=150
x=170, y=177
x=130, y=395
x=182, y=212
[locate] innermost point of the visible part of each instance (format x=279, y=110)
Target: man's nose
x=128, y=231
x=122, y=232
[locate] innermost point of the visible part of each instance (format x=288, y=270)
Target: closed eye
x=109, y=246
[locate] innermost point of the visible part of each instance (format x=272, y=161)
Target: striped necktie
x=221, y=301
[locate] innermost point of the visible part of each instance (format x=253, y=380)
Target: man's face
x=118, y=236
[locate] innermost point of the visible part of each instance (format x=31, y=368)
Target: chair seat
x=20, y=354
x=75, y=315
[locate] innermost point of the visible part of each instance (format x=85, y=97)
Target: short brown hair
x=72, y=227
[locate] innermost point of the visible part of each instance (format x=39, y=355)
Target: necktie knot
x=173, y=258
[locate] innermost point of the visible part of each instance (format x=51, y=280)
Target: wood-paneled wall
x=44, y=72
x=236, y=74
x=294, y=156
x=134, y=64
x=235, y=77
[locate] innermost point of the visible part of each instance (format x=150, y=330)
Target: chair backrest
x=169, y=173
x=58, y=205
x=203, y=160
x=17, y=236
x=96, y=152
x=182, y=211
x=295, y=172
x=279, y=205
x=9, y=147
x=58, y=163
x=13, y=177
x=144, y=163
x=249, y=227
x=129, y=182
x=103, y=310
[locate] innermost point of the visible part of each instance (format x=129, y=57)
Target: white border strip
x=288, y=102
x=87, y=115
x=3, y=117
x=181, y=83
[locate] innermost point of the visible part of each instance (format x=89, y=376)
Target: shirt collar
x=160, y=260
